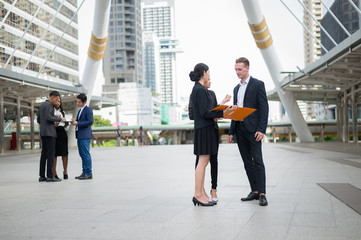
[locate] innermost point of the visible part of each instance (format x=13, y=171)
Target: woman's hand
x=229, y=108
x=226, y=99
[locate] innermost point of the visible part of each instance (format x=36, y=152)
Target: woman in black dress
x=205, y=138
x=61, y=141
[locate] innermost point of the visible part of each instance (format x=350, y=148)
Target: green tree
x=100, y=122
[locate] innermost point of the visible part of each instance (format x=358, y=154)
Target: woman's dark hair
x=82, y=97
x=198, y=71
x=61, y=107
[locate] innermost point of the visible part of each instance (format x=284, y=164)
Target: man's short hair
x=82, y=97
x=243, y=60
x=54, y=94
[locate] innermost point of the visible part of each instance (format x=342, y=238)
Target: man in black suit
x=46, y=120
x=251, y=93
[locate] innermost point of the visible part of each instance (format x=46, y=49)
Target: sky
x=217, y=34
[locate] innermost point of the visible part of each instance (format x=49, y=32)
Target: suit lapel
x=235, y=92
x=249, y=85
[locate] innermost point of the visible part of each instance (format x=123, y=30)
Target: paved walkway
x=145, y=193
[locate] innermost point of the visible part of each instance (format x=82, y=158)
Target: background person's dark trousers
x=251, y=152
x=47, y=156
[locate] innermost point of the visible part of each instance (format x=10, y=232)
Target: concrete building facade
x=31, y=39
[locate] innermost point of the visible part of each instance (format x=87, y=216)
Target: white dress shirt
x=58, y=113
x=242, y=91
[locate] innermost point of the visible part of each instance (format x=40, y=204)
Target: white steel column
x=32, y=134
x=345, y=118
x=18, y=128
x=97, y=45
x=2, y=112
x=264, y=42
x=95, y=54
x=354, y=116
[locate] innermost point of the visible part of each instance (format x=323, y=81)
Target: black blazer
x=255, y=97
x=202, y=105
x=46, y=119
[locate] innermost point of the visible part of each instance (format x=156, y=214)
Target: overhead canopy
x=334, y=74
x=30, y=90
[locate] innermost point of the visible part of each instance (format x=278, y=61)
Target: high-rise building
x=312, y=50
x=30, y=30
x=349, y=18
x=151, y=62
x=158, y=17
x=123, y=66
x=123, y=55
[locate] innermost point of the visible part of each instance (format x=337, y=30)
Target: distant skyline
x=217, y=34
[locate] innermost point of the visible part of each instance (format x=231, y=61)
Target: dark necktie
x=77, y=116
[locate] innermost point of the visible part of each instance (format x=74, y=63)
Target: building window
x=120, y=80
x=120, y=67
x=112, y=80
x=112, y=67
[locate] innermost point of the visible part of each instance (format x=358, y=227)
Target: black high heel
x=65, y=176
x=197, y=202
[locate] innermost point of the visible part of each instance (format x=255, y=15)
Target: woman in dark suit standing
x=61, y=144
x=205, y=138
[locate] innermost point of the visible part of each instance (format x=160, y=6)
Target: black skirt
x=61, y=148
x=206, y=141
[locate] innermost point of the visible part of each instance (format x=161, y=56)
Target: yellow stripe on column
x=97, y=48
x=264, y=44
x=261, y=35
x=94, y=55
x=258, y=27
x=98, y=40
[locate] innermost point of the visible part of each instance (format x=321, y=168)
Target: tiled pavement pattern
x=145, y=193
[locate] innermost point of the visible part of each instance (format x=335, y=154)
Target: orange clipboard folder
x=238, y=114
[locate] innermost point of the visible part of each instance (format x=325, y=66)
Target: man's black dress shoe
x=53, y=179
x=81, y=175
x=251, y=196
x=42, y=179
x=263, y=200
x=85, y=177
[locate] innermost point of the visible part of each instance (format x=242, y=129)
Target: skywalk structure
x=335, y=77
x=39, y=53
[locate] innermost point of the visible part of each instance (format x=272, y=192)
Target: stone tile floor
x=145, y=193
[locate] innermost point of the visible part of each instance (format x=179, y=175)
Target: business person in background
x=251, y=93
x=205, y=138
x=83, y=133
x=61, y=143
x=46, y=119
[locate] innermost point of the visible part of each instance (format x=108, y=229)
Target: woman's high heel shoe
x=215, y=200
x=197, y=202
x=65, y=176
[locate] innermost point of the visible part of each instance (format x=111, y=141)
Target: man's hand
x=230, y=108
x=56, y=124
x=73, y=122
x=259, y=136
x=63, y=119
x=230, y=139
